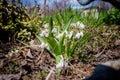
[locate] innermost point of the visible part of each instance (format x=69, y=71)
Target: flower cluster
x=78, y=25
x=61, y=42
x=75, y=31
x=44, y=31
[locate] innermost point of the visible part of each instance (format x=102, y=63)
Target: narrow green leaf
x=50, y=27
x=35, y=27
x=61, y=41
x=44, y=40
x=68, y=24
x=86, y=37
x=34, y=14
x=54, y=45
x=58, y=20
x=41, y=39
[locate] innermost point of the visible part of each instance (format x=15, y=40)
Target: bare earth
x=26, y=61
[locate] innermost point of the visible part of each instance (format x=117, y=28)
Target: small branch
x=50, y=73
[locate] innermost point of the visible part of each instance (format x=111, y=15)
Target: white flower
x=54, y=30
x=66, y=32
x=73, y=24
x=45, y=25
x=70, y=34
x=81, y=34
x=80, y=25
x=43, y=45
x=78, y=35
x=59, y=35
x=62, y=63
x=44, y=33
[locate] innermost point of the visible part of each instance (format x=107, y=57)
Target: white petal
x=81, y=34
x=82, y=26
x=77, y=35
x=45, y=25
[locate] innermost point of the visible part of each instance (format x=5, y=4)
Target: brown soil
x=26, y=61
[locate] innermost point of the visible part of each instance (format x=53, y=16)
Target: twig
x=51, y=71
x=38, y=59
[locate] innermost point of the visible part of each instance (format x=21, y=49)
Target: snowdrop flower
x=73, y=24
x=43, y=45
x=78, y=23
x=46, y=30
x=70, y=34
x=44, y=34
x=81, y=25
x=61, y=63
x=78, y=35
x=66, y=63
x=59, y=35
x=54, y=30
x=67, y=35
x=45, y=25
x=81, y=34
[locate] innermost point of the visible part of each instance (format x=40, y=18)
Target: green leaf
x=35, y=27
x=82, y=41
x=34, y=14
x=61, y=41
x=69, y=44
x=68, y=24
x=67, y=48
x=58, y=20
x=41, y=39
x=54, y=45
x=58, y=58
x=50, y=27
x=44, y=40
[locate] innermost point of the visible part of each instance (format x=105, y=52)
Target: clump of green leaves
x=62, y=42
x=15, y=20
x=112, y=17
x=11, y=15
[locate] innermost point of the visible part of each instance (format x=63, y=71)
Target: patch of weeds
x=10, y=67
x=25, y=35
x=16, y=22
x=41, y=73
x=104, y=38
x=112, y=17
